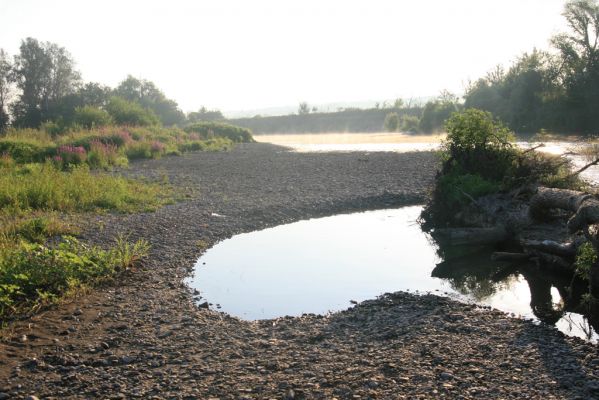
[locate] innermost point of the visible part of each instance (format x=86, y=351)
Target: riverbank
x=145, y=338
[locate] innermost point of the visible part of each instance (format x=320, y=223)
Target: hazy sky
x=241, y=54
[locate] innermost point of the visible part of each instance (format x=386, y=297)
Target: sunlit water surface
x=320, y=265
x=399, y=142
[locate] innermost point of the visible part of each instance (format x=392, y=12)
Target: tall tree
x=5, y=88
x=146, y=93
x=579, y=50
x=45, y=72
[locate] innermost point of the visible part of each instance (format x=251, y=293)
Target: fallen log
x=468, y=236
x=587, y=214
x=548, y=198
x=550, y=246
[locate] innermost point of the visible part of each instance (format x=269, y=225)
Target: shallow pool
x=325, y=264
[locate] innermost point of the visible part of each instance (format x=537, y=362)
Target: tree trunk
x=547, y=198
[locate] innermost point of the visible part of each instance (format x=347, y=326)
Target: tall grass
x=45, y=187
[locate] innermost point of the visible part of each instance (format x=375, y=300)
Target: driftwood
x=550, y=246
x=584, y=206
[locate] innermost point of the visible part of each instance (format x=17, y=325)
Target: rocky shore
x=144, y=337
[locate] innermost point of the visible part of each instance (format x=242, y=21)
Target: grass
x=33, y=274
x=45, y=177
x=45, y=187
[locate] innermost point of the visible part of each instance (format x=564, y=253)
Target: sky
x=239, y=54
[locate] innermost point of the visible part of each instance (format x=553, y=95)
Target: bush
x=91, y=117
x=391, y=122
x=139, y=150
x=478, y=159
x=103, y=155
x=478, y=144
x=125, y=112
x=24, y=152
x=71, y=155
x=211, y=129
x=409, y=123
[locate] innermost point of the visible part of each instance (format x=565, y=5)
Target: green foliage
x=32, y=274
x=125, y=112
x=586, y=260
x=553, y=90
x=148, y=96
x=129, y=255
x=203, y=114
x=44, y=73
x=475, y=130
x=91, y=117
x=409, y=123
x=391, y=122
x=586, y=257
x=34, y=228
x=218, y=129
x=459, y=188
x=25, y=152
x=44, y=187
x=478, y=159
x=436, y=112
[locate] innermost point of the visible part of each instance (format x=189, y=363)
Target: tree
x=125, y=112
x=146, y=94
x=437, y=111
x=303, y=108
x=44, y=73
x=203, y=114
x=391, y=123
x=5, y=88
x=579, y=68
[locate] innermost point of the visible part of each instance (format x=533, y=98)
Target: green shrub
x=25, y=152
x=391, y=122
x=91, y=117
x=208, y=129
x=125, y=112
x=101, y=155
x=139, y=150
x=409, y=123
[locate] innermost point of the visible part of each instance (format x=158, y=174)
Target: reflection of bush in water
x=471, y=272
x=479, y=287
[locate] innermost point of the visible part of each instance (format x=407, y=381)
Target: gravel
x=144, y=337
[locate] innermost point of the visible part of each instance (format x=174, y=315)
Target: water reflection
x=320, y=265
x=554, y=298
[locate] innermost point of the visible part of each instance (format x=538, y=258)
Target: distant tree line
x=312, y=121
x=40, y=85
x=398, y=116
x=557, y=91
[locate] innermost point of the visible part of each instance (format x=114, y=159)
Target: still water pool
x=324, y=264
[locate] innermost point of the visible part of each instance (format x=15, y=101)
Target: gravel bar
x=145, y=337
